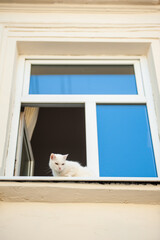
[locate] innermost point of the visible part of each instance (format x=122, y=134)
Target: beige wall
x=29, y=29
x=79, y=221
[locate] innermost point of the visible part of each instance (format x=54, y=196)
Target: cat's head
x=57, y=162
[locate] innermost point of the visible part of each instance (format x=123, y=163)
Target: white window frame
x=144, y=96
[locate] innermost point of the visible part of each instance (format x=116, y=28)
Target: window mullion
x=111, y=99
x=91, y=137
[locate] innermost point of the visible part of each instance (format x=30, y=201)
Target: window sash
x=23, y=133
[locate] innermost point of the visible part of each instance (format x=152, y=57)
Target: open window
x=99, y=112
x=58, y=130
x=24, y=165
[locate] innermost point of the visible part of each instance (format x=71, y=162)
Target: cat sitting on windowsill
x=63, y=168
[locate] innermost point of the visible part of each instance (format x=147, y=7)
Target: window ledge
x=80, y=192
x=80, y=2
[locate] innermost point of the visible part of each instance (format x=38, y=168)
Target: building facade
x=83, y=40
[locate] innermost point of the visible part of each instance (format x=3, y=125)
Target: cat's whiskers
x=47, y=170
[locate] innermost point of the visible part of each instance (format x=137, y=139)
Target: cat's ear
x=53, y=156
x=65, y=156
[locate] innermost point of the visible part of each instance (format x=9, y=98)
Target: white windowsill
x=79, y=191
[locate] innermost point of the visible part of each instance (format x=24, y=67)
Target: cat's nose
x=59, y=168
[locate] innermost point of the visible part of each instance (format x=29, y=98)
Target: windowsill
x=58, y=190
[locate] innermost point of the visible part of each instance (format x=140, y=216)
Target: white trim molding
x=80, y=2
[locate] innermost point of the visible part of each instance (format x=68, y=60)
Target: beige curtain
x=31, y=116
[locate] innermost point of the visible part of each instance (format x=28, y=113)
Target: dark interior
x=58, y=130
x=81, y=69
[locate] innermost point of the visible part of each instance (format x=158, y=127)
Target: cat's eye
x=62, y=163
x=56, y=163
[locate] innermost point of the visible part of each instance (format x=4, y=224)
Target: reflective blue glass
x=124, y=141
x=83, y=84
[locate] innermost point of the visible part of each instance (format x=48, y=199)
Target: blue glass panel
x=83, y=84
x=124, y=140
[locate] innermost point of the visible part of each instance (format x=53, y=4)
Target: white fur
x=63, y=168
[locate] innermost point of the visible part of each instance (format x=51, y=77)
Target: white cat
x=63, y=168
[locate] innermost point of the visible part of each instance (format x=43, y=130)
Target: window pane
x=124, y=140
x=83, y=79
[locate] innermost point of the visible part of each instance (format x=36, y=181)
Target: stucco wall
x=79, y=221
x=29, y=29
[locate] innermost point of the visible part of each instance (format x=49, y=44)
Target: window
x=99, y=111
